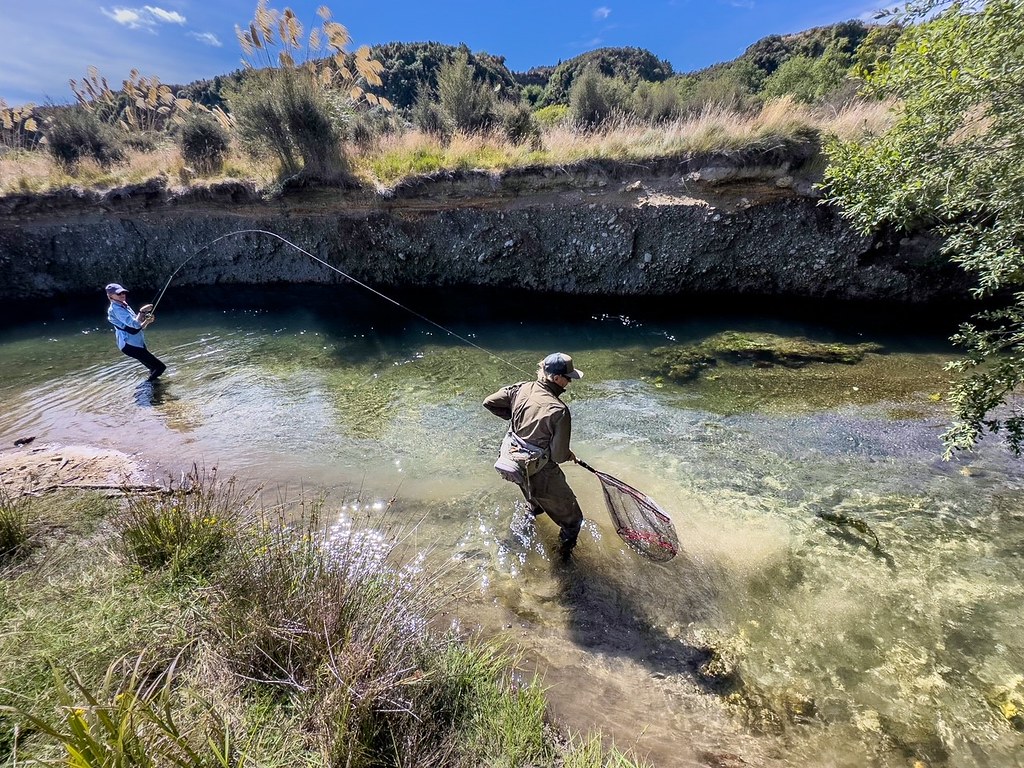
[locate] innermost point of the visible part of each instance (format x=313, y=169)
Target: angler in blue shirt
x=128, y=326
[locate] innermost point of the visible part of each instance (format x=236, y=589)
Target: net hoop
x=639, y=521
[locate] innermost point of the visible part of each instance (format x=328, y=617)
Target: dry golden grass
x=394, y=157
x=33, y=172
x=860, y=119
x=717, y=129
x=23, y=171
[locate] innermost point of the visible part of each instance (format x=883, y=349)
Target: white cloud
x=208, y=38
x=169, y=17
x=146, y=17
x=602, y=13
x=74, y=41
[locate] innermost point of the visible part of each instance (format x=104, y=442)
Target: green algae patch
x=762, y=350
x=733, y=372
x=910, y=380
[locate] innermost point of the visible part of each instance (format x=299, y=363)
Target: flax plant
x=130, y=721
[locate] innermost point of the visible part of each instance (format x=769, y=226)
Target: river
x=776, y=638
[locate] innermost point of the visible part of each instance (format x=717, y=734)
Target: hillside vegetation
x=307, y=110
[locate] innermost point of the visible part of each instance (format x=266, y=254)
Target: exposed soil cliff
x=667, y=227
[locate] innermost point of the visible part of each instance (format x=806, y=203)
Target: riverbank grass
x=390, y=158
x=198, y=628
x=14, y=528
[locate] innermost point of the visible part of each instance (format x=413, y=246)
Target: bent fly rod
x=333, y=268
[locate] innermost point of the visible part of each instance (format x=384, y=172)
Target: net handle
x=584, y=464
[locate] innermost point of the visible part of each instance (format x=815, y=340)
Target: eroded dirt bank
x=669, y=227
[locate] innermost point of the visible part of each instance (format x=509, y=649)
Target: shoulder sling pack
x=518, y=459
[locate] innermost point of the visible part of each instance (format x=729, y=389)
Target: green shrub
x=657, y=102
x=808, y=79
x=286, y=115
x=730, y=86
x=429, y=118
x=142, y=141
x=594, y=98
x=204, y=142
x=74, y=133
x=551, y=115
x=467, y=104
x=519, y=125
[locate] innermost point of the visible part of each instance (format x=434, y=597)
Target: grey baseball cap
x=560, y=364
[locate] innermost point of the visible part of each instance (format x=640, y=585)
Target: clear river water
x=776, y=638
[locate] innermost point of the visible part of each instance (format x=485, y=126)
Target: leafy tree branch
x=954, y=160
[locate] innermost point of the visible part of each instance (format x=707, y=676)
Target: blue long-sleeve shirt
x=126, y=327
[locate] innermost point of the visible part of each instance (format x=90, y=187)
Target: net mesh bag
x=638, y=519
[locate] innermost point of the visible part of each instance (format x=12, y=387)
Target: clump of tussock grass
x=76, y=133
x=589, y=752
x=15, y=528
x=858, y=119
x=333, y=615
x=186, y=530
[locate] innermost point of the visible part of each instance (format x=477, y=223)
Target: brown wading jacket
x=537, y=415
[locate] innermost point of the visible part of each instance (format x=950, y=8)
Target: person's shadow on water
x=608, y=615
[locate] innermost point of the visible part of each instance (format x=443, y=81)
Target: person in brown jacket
x=539, y=433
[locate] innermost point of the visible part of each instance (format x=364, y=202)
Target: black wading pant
x=147, y=358
x=549, y=492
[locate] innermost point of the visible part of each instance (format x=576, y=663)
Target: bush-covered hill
x=409, y=68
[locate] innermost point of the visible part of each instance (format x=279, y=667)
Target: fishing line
x=317, y=259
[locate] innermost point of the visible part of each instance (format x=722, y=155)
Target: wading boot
x=565, y=547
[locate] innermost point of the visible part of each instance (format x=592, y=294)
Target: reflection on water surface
x=778, y=637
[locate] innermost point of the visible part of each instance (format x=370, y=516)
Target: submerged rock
x=1009, y=701
x=681, y=364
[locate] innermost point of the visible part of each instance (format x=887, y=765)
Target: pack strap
x=526, y=446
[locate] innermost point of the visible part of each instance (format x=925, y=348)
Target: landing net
x=638, y=519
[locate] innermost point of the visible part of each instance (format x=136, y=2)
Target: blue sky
x=46, y=42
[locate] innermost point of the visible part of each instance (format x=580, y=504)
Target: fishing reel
x=145, y=313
